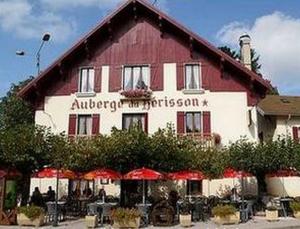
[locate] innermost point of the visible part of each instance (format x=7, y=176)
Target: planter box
x=272, y=215
x=297, y=215
x=23, y=220
x=185, y=220
x=230, y=219
x=91, y=221
x=130, y=224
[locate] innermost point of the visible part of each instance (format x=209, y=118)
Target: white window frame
x=134, y=114
x=201, y=122
x=78, y=123
x=194, y=90
x=92, y=91
x=133, y=66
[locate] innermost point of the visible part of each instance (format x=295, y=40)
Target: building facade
x=140, y=67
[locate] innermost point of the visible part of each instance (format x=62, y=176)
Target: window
x=132, y=120
x=86, y=80
x=136, y=77
x=194, y=187
x=192, y=77
x=193, y=122
x=84, y=126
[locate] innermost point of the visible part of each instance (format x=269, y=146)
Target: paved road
x=257, y=223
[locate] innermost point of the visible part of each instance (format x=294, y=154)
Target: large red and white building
x=140, y=66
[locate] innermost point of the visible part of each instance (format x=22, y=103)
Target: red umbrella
x=52, y=173
x=10, y=173
x=143, y=174
x=231, y=173
x=284, y=173
x=187, y=175
x=102, y=174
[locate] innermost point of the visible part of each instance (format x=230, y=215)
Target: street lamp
x=45, y=38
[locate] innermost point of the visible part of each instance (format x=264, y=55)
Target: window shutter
x=74, y=81
x=180, y=122
x=206, y=123
x=97, y=80
x=180, y=76
x=295, y=133
x=115, y=78
x=204, y=76
x=95, y=124
x=146, y=123
x=156, y=77
x=72, y=124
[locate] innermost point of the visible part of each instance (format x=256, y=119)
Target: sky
x=274, y=27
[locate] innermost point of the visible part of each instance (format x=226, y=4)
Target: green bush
x=224, y=210
x=295, y=206
x=125, y=215
x=32, y=212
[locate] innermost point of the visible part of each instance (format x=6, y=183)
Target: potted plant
x=126, y=218
x=295, y=206
x=185, y=217
x=272, y=213
x=30, y=216
x=225, y=214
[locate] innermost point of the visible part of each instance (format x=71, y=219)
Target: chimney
x=245, y=50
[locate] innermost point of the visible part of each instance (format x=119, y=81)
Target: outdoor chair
x=197, y=211
x=144, y=210
x=280, y=207
x=93, y=209
x=51, y=212
x=105, y=213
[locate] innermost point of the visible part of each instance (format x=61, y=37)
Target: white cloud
x=20, y=18
x=276, y=38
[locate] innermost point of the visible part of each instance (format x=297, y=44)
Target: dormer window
x=136, y=77
x=192, y=77
x=86, y=80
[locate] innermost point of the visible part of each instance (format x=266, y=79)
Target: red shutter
x=72, y=124
x=74, y=80
x=206, y=123
x=180, y=123
x=95, y=124
x=98, y=79
x=180, y=76
x=146, y=123
x=157, y=78
x=295, y=133
x=115, y=78
x=204, y=68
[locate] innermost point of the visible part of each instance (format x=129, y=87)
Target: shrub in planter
x=295, y=206
x=126, y=218
x=225, y=214
x=272, y=213
x=185, y=217
x=30, y=216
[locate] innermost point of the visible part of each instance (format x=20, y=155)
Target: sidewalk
x=257, y=223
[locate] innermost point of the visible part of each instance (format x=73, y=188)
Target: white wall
x=229, y=116
x=284, y=127
x=283, y=186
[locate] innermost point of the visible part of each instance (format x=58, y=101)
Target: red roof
x=168, y=21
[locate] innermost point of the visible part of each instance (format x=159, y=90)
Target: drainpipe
x=286, y=126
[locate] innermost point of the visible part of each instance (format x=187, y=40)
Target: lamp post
x=55, y=221
x=45, y=38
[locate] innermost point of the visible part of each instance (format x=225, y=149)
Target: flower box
x=91, y=221
x=272, y=215
x=128, y=224
x=185, y=220
x=229, y=219
x=136, y=94
x=23, y=220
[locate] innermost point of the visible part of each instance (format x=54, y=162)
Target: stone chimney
x=245, y=50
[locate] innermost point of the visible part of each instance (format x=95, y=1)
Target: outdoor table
x=144, y=209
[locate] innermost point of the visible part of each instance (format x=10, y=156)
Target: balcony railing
x=205, y=140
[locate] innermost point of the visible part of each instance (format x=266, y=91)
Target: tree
x=255, y=65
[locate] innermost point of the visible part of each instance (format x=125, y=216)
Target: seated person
x=234, y=195
x=102, y=194
x=37, y=198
